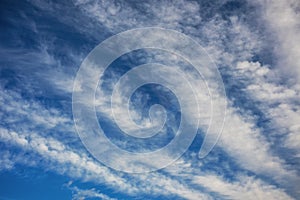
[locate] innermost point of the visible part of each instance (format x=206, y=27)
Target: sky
x=47, y=70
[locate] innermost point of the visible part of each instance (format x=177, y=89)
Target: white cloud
x=6, y=161
x=81, y=194
x=241, y=139
x=17, y=110
x=245, y=188
x=283, y=20
x=55, y=151
x=79, y=165
x=278, y=102
x=118, y=16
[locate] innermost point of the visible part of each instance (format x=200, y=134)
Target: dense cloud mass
x=255, y=45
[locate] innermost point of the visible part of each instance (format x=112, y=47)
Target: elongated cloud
x=262, y=116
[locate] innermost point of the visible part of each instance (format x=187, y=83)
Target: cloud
x=244, y=188
x=60, y=157
x=278, y=102
x=283, y=20
x=83, y=167
x=80, y=194
x=79, y=165
x=29, y=125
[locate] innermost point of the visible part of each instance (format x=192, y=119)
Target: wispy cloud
x=30, y=124
x=282, y=19
x=244, y=188
x=79, y=194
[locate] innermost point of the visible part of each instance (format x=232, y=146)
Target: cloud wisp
x=260, y=142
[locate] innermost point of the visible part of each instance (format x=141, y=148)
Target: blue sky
x=255, y=46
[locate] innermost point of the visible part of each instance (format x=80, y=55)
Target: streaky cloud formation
x=255, y=45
